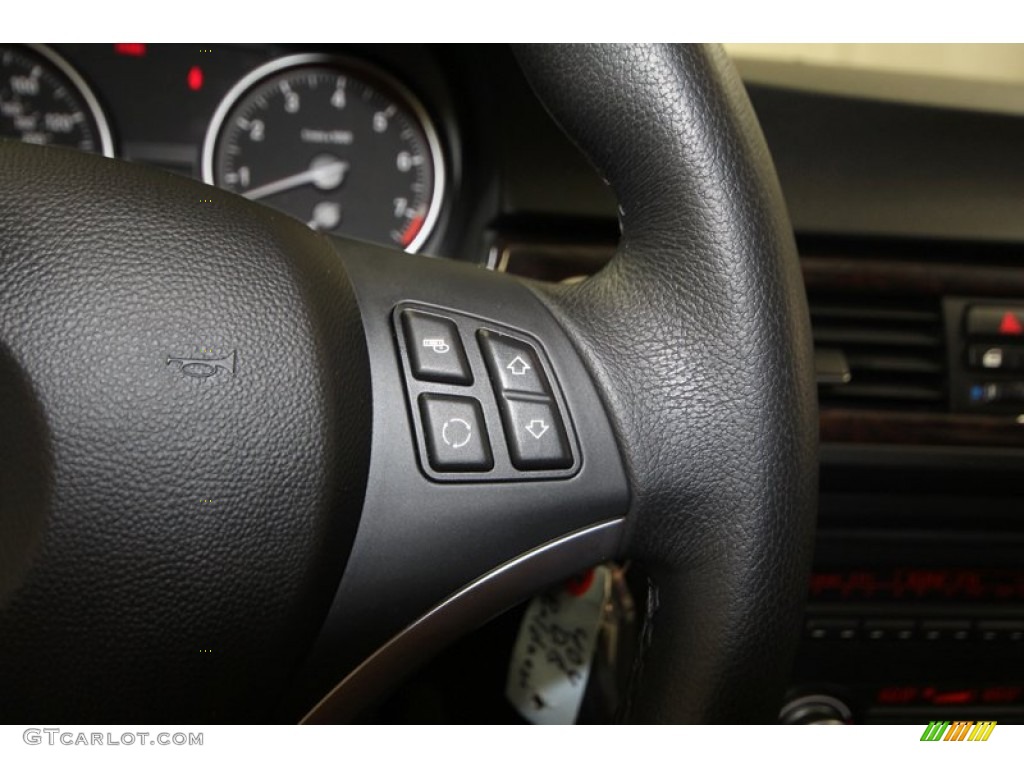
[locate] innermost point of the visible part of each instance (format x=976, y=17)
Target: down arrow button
x=536, y=437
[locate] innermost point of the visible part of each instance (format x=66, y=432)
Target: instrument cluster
x=341, y=143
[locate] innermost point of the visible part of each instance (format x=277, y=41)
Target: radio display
x=919, y=584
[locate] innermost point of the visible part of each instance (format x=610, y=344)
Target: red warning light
x=1010, y=325
x=195, y=78
x=130, y=49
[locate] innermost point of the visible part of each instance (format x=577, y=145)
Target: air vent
x=893, y=351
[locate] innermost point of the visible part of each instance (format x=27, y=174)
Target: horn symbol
x=204, y=368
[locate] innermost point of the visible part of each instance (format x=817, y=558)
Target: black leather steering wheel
x=222, y=497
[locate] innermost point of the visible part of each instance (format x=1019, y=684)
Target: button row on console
x=882, y=629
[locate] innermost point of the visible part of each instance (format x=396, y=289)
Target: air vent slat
x=873, y=314
x=875, y=392
x=877, y=336
x=894, y=349
x=891, y=363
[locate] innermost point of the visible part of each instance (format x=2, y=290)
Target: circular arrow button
x=456, y=433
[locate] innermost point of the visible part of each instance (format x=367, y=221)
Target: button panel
x=985, y=353
x=1001, y=631
x=945, y=630
x=489, y=411
x=905, y=629
x=832, y=629
x=888, y=629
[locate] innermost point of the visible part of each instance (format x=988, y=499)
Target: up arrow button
x=512, y=363
x=518, y=366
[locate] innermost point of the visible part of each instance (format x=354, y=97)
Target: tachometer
x=43, y=100
x=336, y=144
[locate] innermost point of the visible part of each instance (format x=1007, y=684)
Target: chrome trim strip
x=344, y=64
x=469, y=607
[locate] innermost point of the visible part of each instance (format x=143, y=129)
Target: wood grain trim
x=839, y=425
x=876, y=278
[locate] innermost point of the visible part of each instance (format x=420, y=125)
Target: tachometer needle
x=323, y=175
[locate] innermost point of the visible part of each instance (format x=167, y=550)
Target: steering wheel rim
x=705, y=233
x=683, y=372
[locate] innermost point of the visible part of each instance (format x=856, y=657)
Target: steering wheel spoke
x=494, y=470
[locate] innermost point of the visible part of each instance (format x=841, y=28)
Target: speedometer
x=342, y=147
x=43, y=100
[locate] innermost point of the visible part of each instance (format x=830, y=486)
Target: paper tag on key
x=554, y=650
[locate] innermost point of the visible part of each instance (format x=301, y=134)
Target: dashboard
x=909, y=220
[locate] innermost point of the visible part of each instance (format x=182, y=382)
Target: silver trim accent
x=91, y=102
x=344, y=65
x=391, y=661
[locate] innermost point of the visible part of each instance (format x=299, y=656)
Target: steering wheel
x=241, y=481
